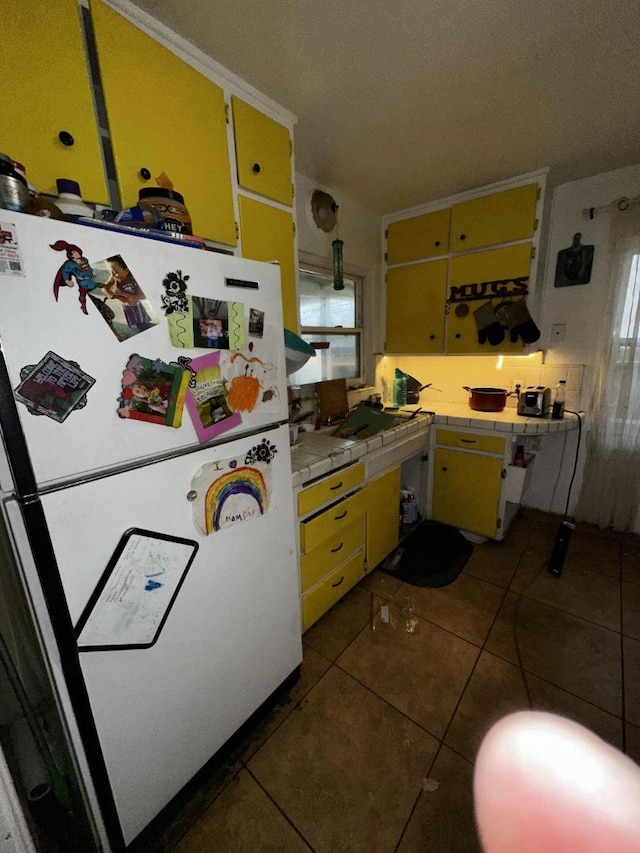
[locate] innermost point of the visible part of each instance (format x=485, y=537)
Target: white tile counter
x=318, y=453
x=508, y=420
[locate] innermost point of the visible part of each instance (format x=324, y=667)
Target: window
x=331, y=321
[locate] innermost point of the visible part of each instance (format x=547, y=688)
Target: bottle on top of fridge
x=70, y=200
x=14, y=194
x=557, y=410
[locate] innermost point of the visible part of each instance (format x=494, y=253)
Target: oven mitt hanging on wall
x=516, y=316
x=489, y=328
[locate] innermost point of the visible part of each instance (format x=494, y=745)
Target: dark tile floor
x=373, y=749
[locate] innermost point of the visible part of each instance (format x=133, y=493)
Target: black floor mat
x=433, y=555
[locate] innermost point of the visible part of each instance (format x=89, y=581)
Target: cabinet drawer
x=329, y=489
x=470, y=441
x=318, y=600
x=330, y=553
x=334, y=519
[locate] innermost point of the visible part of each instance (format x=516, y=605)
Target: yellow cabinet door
x=47, y=94
x=495, y=265
x=263, y=153
x=418, y=238
x=416, y=297
x=383, y=513
x=164, y=117
x=492, y=219
x=466, y=490
x=267, y=235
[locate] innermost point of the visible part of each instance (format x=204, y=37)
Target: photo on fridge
x=120, y=299
x=153, y=391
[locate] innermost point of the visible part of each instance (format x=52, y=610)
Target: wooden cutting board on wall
x=332, y=400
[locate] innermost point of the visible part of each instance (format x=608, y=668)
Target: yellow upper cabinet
x=263, y=153
x=419, y=237
x=416, y=297
x=164, y=117
x=493, y=219
x=48, y=119
x=476, y=272
x=267, y=235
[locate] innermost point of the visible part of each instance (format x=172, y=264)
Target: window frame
x=323, y=266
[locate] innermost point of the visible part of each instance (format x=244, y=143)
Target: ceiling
x=401, y=102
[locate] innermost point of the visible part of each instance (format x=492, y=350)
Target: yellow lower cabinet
x=324, y=525
x=383, y=510
x=466, y=490
x=329, y=489
x=330, y=553
x=267, y=234
x=317, y=600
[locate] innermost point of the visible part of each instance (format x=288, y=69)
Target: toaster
x=534, y=402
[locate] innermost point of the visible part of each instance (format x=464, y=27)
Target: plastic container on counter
x=170, y=204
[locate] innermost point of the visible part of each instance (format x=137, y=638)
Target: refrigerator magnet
x=207, y=401
x=209, y=324
x=10, y=258
x=120, y=300
x=136, y=592
x=256, y=323
x=75, y=271
x=153, y=391
x=53, y=387
x=174, y=299
x=232, y=491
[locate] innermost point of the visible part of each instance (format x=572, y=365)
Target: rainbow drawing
x=243, y=490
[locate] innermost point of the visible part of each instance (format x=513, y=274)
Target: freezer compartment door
x=232, y=635
x=41, y=311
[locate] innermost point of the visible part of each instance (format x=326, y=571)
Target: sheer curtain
x=610, y=494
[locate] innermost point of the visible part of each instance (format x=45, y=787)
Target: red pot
x=487, y=399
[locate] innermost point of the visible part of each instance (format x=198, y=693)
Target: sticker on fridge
x=119, y=298
x=235, y=490
x=53, y=387
x=207, y=401
x=76, y=271
x=10, y=258
x=153, y=391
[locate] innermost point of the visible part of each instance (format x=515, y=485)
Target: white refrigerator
x=146, y=490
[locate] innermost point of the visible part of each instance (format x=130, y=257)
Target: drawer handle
x=338, y=517
x=339, y=582
x=339, y=548
x=468, y=440
x=256, y=168
x=337, y=486
x=444, y=469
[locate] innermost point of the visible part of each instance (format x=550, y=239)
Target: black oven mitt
x=489, y=328
x=515, y=315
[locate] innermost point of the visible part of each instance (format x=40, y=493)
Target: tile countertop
x=508, y=420
x=318, y=453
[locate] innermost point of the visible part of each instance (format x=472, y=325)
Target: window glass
x=337, y=357
x=331, y=320
x=321, y=305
